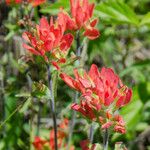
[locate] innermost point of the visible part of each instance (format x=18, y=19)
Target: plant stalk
x=38, y=118
x=52, y=104
x=72, y=123
x=105, y=139
x=91, y=133
x=78, y=44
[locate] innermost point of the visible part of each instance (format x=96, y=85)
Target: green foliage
x=53, y=9
x=116, y=12
x=145, y=19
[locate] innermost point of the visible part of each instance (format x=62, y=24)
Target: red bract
x=62, y=134
x=8, y=2
x=102, y=92
x=82, y=13
x=85, y=145
x=49, y=38
x=34, y=3
x=39, y=143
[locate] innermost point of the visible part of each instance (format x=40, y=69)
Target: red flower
x=82, y=13
x=36, y=2
x=61, y=136
x=119, y=124
x=101, y=92
x=39, y=143
x=8, y=2
x=33, y=2
x=85, y=145
x=49, y=38
x=107, y=125
x=85, y=109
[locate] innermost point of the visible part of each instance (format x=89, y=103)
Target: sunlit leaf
x=25, y=105
x=116, y=12
x=146, y=19
x=138, y=65
x=53, y=9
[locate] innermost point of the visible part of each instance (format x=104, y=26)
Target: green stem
x=91, y=133
x=52, y=104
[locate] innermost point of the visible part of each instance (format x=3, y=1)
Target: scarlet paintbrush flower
x=34, y=3
x=8, y=2
x=82, y=13
x=49, y=38
x=62, y=134
x=39, y=143
x=85, y=145
x=103, y=93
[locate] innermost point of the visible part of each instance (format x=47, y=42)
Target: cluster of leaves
x=124, y=46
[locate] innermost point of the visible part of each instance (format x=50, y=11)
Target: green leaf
x=23, y=95
x=116, y=12
x=9, y=35
x=120, y=146
x=11, y=26
x=141, y=126
x=146, y=19
x=40, y=90
x=143, y=90
x=54, y=8
x=10, y=116
x=25, y=105
x=98, y=147
x=137, y=65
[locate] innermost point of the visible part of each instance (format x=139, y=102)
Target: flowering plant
x=60, y=43
x=102, y=95
x=49, y=38
x=62, y=133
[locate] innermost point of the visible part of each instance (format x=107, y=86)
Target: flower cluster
x=34, y=3
x=82, y=13
x=103, y=94
x=49, y=37
x=62, y=133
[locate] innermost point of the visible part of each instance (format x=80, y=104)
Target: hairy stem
x=105, y=139
x=52, y=104
x=73, y=120
x=78, y=44
x=38, y=119
x=91, y=133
